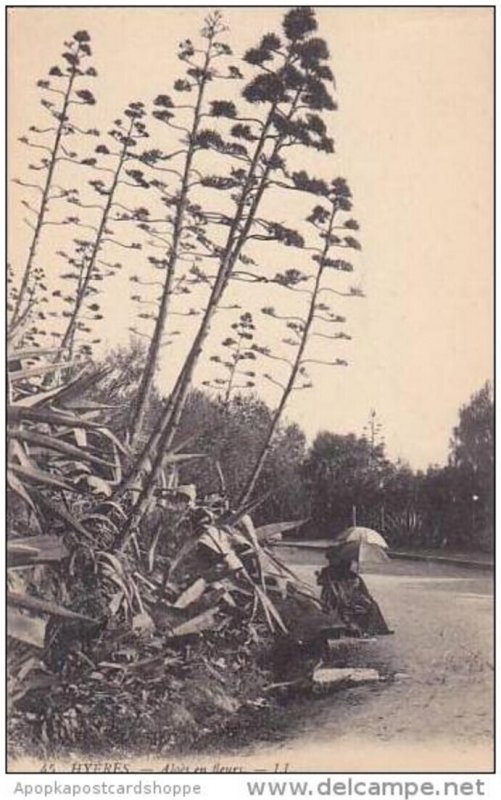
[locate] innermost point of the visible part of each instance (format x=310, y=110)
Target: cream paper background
x=414, y=139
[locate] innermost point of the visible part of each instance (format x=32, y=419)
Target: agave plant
x=27, y=615
x=224, y=571
x=59, y=458
x=55, y=443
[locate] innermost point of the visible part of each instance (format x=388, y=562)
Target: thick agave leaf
x=22, y=355
x=17, y=451
x=18, y=487
x=302, y=587
x=176, y=458
x=75, y=390
x=274, y=530
x=216, y=539
x=207, y=620
x=112, y=568
x=272, y=568
x=32, y=550
x=25, y=628
x=246, y=524
x=222, y=539
x=62, y=514
x=234, y=517
x=51, y=395
x=271, y=612
x=80, y=436
x=184, y=551
x=115, y=505
x=45, y=607
x=38, y=369
x=32, y=474
x=83, y=404
x=44, y=447
x=222, y=542
x=117, y=469
x=98, y=485
x=71, y=390
x=143, y=622
x=116, y=602
x=57, y=445
x=49, y=416
x=104, y=431
x=191, y=594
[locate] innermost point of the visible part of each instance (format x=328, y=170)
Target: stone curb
x=486, y=565
x=459, y=562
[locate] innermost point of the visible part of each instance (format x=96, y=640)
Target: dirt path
x=440, y=715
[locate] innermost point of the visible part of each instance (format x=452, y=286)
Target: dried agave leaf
x=116, y=602
x=207, y=620
x=24, y=628
x=191, y=594
x=98, y=485
x=143, y=622
x=62, y=514
x=22, y=355
x=53, y=443
x=45, y=607
x=41, y=398
x=32, y=474
x=39, y=369
x=270, y=610
x=17, y=486
x=35, y=550
x=274, y=531
x=80, y=436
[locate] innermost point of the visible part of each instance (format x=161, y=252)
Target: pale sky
x=414, y=139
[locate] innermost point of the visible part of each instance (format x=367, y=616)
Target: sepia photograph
x=250, y=406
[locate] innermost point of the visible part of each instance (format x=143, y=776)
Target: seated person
x=345, y=591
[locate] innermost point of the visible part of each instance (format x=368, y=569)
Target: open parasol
x=363, y=545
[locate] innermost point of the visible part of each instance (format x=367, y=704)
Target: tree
x=449, y=506
x=280, y=487
x=472, y=459
x=230, y=435
x=472, y=443
x=342, y=472
x=122, y=368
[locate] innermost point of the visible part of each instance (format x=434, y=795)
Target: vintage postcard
x=250, y=443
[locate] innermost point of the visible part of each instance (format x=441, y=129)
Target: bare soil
x=439, y=708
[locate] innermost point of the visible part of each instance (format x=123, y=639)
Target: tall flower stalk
x=337, y=198
x=126, y=134
x=199, y=75
x=291, y=84
x=76, y=51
